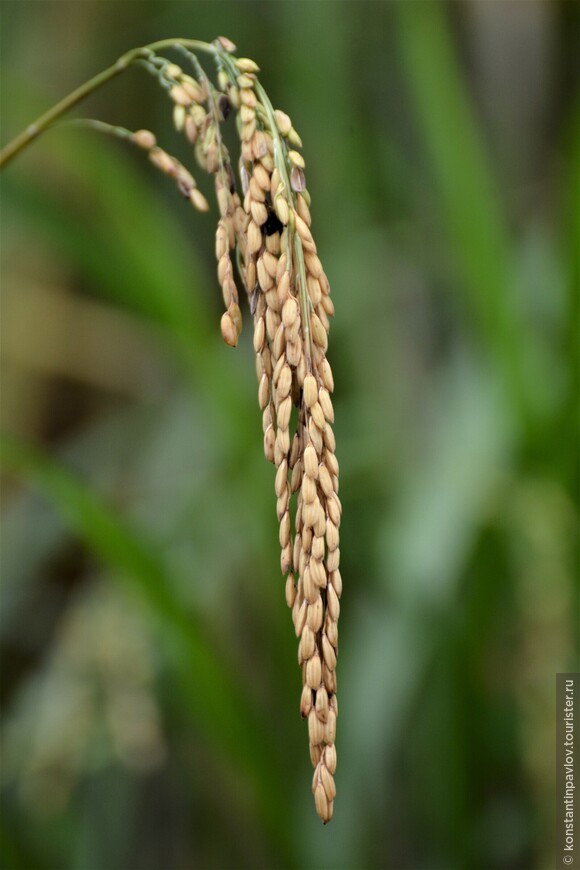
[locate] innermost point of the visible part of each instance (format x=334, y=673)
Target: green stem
x=44, y=121
x=99, y=126
x=304, y=298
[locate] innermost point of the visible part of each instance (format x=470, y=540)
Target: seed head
x=310, y=390
x=228, y=328
x=297, y=179
x=296, y=159
x=268, y=226
x=144, y=139
x=198, y=200
x=283, y=121
x=180, y=96
x=246, y=65
x=226, y=44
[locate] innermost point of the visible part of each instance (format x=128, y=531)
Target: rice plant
x=264, y=245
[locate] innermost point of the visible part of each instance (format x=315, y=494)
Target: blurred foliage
x=150, y=692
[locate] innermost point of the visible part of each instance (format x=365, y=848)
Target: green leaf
x=216, y=701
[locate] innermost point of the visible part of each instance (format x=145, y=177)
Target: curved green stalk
x=44, y=121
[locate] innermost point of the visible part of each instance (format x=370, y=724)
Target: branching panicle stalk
x=268, y=231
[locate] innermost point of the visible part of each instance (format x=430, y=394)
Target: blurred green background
x=150, y=688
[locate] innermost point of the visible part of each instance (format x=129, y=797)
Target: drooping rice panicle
x=264, y=233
